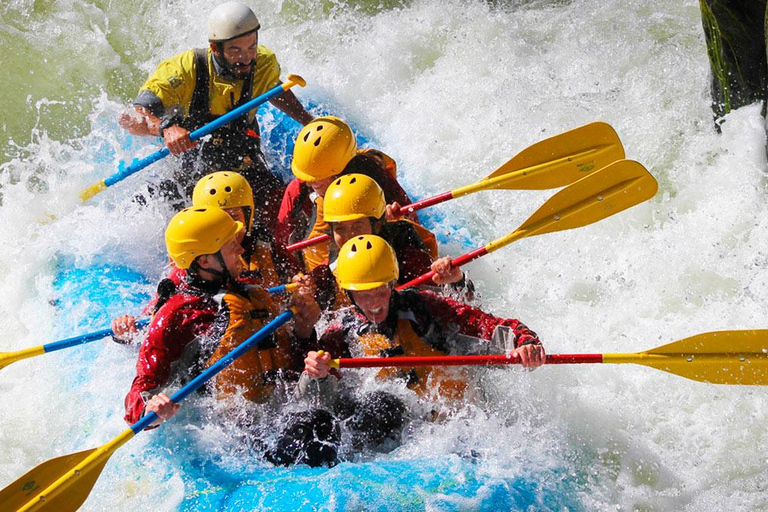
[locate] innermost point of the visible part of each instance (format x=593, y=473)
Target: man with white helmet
x=194, y=87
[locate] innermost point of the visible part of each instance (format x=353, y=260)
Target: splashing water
x=451, y=89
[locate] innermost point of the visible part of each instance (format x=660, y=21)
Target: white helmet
x=231, y=20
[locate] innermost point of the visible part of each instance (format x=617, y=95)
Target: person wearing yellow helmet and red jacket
x=195, y=87
x=325, y=149
x=230, y=191
x=383, y=322
x=354, y=205
x=207, y=315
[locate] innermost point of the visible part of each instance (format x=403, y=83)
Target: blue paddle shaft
x=218, y=366
x=277, y=290
x=97, y=335
x=85, y=338
x=137, y=165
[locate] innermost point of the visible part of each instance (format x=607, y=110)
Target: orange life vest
x=425, y=380
x=261, y=263
x=253, y=374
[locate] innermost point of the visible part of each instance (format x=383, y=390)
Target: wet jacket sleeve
x=293, y=204
x=176, y=323
x=173, y=83
x=413, y=262
x=286, y=216
x=472, y=321
x=318, y=392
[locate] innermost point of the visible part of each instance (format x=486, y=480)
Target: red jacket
x=436, y=319
x=185, y=316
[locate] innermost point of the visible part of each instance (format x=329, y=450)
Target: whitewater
x=451, y=89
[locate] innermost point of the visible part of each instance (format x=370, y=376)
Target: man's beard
x=241, y=70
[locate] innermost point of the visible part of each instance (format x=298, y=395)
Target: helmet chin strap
x=222, y=276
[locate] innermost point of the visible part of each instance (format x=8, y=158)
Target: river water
x=451, y=89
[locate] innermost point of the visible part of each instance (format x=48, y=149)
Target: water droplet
x=689, y=359
x=742, y=358
x=599, y=198
x=557, y=217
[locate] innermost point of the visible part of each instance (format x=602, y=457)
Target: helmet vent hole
x=353, y=180
x=354, y=248
x=227, y=189
x=369, y=246
x=212, y=191
x=317, y=142
x=306, y=136
x=319, y=127
x=338, y=182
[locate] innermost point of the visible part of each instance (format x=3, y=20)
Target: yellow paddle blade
x=63, y=483
x=560, y=160
x=725, y=357
x=294, y=80
x=27, y=488
x=603, y=193
x=93, y=190
x=7, y=358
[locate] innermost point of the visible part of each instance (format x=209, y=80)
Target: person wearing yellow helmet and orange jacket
x=195, y=87
x=209, y=313
x=383, y=322
x=354, y=205
x=230, y=191
x=325, y=149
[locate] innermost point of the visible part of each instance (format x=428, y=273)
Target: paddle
x=723, y=357
x=551, y=163
x=65, y=482
x=603, y=193
x=137, y=165
x=7, y=358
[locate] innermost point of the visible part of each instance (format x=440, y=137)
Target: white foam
x=452, y=90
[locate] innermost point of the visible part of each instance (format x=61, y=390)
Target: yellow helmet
x=366, y=262
x=194, y=232
x=225, y=189
x=352, y=197
x=323, y=149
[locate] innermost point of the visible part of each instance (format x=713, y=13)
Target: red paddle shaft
x=378, y=362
